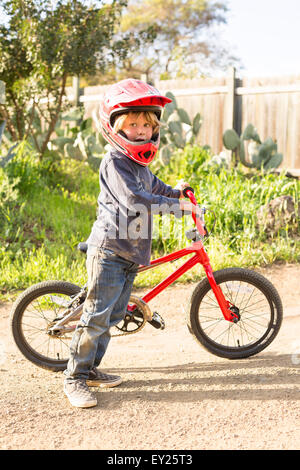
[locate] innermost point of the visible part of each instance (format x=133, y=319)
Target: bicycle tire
x=260, y=317
x=24, y=309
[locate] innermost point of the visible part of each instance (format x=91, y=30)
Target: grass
x=47, y=207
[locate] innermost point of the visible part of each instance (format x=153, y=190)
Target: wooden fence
x=2, y=92
x=272, y=105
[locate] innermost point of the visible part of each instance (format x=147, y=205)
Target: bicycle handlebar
x=199, y=221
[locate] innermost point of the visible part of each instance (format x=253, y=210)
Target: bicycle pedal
x=157, y=321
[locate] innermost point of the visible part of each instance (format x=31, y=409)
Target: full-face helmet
x=123, y=97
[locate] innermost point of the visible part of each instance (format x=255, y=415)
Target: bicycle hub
x=236, y=314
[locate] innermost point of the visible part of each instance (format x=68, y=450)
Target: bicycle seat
x=82, y=246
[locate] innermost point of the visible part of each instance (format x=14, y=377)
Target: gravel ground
x=175, y=395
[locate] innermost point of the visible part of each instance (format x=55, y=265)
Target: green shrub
x=52, y=206
x=235, y=197
x=47, y=207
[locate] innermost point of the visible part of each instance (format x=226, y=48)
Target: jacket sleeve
x=127, y=192
x=159, y=187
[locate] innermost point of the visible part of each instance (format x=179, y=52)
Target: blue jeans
x=110, y=281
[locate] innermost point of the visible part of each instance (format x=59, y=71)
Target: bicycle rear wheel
x=257, y=302
x=33, y=314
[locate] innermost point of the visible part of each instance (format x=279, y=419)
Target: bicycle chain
x=126, y=333
x=144, y=309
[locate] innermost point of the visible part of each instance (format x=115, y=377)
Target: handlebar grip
x=187, y=189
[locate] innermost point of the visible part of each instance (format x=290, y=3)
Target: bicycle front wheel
x=32, y=316
x=259, y=307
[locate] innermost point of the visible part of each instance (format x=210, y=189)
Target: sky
x=265, y=34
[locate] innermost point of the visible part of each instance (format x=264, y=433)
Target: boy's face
x=137, y=128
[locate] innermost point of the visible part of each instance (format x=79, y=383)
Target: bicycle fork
x=230, y=312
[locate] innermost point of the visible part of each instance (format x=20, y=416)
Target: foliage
x=76, y=138
x=10, y=154
x=8, y=197
x=177, y=129
x=48, y=206
x=40, y=47
x=261, y=154
x=235, y=198
x=181, y=44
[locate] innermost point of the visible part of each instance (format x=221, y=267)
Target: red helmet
x=131, y=95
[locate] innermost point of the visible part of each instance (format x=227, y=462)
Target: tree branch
x=55, y=115
x=9, y=124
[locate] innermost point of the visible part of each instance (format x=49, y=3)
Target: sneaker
x=99, y=379
x=79, y=394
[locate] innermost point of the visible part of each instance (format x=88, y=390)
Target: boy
x=120, y=239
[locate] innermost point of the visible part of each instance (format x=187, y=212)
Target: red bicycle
x=234, y=313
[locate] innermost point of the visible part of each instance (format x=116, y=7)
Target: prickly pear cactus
x=10, y=154
x=177, y=129
x=79, y=141
x=260, y=154
x=231, y=139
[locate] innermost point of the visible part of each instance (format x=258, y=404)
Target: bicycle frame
x=200, y=256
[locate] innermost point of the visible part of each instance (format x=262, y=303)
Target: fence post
x=76, y=91
x=2, y=92
x=229, y=118
x=230, y=100
x=2, y=101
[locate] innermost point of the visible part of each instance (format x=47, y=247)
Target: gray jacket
x=129, y=195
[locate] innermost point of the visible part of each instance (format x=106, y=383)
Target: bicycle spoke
x=257, y=305
x=252, y=325
x=35, y=321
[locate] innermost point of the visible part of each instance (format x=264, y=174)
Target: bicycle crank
x=136, y=317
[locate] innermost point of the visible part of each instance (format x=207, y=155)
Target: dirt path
x=175, y=395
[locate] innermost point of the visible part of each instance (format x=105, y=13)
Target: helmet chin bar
x=148, y=154
x=117, y=145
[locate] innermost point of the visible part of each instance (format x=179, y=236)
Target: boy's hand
x=181, y=185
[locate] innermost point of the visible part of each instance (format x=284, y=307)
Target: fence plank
x=271, y=104
x=2, y=92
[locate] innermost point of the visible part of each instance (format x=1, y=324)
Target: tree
x=40, y=47
x=184, y=44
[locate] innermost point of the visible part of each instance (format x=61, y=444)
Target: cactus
x=75, y=137
x=177, y=129
x=10, y=154
x=261, y=154
x=2, y=127
x=79, y=142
